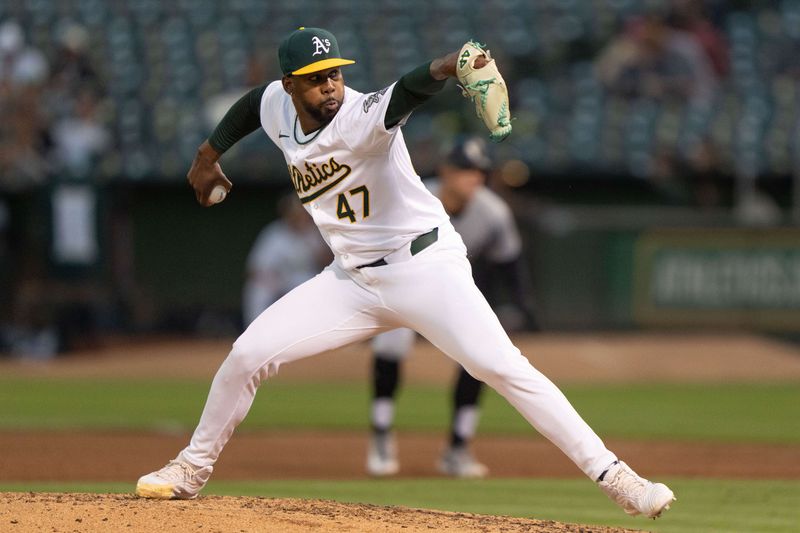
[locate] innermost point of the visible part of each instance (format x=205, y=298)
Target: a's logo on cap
x=321, y=46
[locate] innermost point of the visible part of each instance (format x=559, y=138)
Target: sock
x=382, y=415
x=465, y=424
x=385, y=378
x=465, y=409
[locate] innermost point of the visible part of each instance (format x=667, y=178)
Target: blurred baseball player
x=287, y=252
x=398, y=262
x=487, y=227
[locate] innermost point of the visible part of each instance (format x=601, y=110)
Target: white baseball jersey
x=365, y=204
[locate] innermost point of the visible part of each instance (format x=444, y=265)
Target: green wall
x=169, y=262
x=189, y=258
x=581, y=279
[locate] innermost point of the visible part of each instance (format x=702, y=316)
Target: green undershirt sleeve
x=410, y=92
x=242, y=119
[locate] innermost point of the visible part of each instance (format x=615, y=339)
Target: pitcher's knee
x=246, y=362
x=499, y=369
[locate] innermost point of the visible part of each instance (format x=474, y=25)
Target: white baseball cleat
x=635, y=494
x=382, y=456
x=176, y=481
x=459, y=462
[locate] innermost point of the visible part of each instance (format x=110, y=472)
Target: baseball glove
x=486, y=88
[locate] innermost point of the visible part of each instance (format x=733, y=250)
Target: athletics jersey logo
x=321, y=46
x=374, y=98
x=308, y=185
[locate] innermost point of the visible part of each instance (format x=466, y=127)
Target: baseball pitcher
x=398, y=262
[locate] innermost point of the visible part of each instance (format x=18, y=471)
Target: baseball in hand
x=218, y=194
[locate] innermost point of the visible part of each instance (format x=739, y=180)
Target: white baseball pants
x=432, y=293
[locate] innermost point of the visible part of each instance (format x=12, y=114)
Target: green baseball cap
x=308, y=50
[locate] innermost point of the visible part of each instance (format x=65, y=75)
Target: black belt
x=417, y=245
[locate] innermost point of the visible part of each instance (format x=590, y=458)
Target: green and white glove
x=486, y=88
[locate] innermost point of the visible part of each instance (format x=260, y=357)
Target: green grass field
x=729, y=413
x=744, y=413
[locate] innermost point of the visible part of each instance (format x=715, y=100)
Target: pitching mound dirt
x=24, y=512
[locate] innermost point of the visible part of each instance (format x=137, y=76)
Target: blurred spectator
x=654, y=61
x=73, y=75
x=286, y=253
x=256, y=74
x=79, y=138
x=259, y=69
x=692, y=16
x=72, y=67
x=21, y=66
x=23, y=131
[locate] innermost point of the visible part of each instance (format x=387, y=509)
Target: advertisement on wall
x=723, y=277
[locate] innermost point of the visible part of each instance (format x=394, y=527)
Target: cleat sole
x=157, y=492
